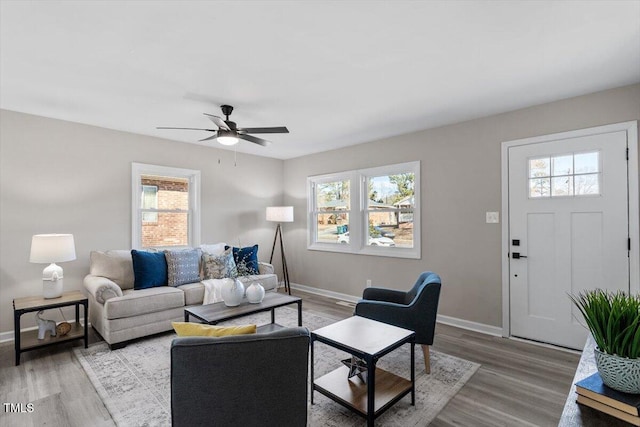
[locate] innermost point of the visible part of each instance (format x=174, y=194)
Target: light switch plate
x=493, y=217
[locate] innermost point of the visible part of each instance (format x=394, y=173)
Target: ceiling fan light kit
x=229, y=134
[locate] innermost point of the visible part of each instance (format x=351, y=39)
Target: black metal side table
x=28, y=340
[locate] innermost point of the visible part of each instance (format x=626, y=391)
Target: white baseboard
x=325, y=293
x=469, y=325
x=446, y=320
x=8, y=335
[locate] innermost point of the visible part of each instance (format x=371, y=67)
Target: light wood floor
x=518, y=384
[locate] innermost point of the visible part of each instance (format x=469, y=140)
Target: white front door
x=568, y=231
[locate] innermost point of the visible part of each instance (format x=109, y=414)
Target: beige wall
x=62, y=177
x=461, y=180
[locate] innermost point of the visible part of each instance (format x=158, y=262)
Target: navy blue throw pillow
x=149, y=269
x=246, y=260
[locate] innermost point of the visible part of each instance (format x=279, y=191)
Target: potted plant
x=614, y=322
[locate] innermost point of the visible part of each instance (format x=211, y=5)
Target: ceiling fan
x=229, y=134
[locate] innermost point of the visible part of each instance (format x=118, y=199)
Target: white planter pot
x=619, y=373
x=232, y=292
x=255, y=293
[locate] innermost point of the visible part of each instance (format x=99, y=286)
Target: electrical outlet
x=368, y=283
x=493, y=217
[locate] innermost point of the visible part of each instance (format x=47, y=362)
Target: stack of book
x=593, y=393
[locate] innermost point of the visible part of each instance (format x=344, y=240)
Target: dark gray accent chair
x=415, y=310
x=241, y=380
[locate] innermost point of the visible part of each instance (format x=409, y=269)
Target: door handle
x=516, y=255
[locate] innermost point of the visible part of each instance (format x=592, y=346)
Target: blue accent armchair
x=226, y=382
x=415, y=310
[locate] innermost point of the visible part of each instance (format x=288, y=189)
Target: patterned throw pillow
x=183, y=266
x=218, y=266
x=246, y=260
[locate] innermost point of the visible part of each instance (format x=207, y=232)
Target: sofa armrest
x=265, y=268
x=101, y=288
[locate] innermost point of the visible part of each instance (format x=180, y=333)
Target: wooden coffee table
x=218, y=312
x=369, y=340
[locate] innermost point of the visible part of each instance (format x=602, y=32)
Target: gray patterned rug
x=134, y=382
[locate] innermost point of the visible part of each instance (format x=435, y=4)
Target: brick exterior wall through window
x=171, y=228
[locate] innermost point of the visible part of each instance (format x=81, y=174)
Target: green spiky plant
x=613, y=319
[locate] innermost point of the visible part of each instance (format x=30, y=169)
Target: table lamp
x=280, y=214
x=52, y=248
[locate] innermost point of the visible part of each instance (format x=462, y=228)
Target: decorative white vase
x=255, y=293
x=232, y=292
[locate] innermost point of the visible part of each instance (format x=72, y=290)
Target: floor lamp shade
x=280, y=213
x=52, y=248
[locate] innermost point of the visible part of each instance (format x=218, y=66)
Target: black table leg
x=186, y=316
x=78, y=313
x=312, y=359
x=300, y=313
x=371, y=390
x=273, y=315
x=86, y=322
x=16, y=326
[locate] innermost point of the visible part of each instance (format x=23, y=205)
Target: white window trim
x=139, y=169
x=358, y=225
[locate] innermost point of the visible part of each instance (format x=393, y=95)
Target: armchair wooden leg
x=427, y=359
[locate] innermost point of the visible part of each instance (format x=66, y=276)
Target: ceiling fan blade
x=279, y=129
x=218, y=121
x=214, y=136
x=254, y=139
x=209, y=130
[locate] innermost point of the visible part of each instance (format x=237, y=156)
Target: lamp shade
x=47, y=248
x=280, y=213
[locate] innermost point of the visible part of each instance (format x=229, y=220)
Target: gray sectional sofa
x=119, y=313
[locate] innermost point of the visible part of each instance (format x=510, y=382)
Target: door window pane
x=565, y=175
x=562, y=186
x=587, y=184
x=562, y=165
x=587, y=162
x=539, y=167
x=540, y=187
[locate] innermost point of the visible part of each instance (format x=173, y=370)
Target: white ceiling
x=335, y=73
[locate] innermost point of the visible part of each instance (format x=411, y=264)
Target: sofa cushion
x=188, y=329
x=193, y=293
x=115, y=265
x=218, y=266
x=149, y=269
x=213, y=249
x=183, y=266
x=246, y=260
x=142, y=301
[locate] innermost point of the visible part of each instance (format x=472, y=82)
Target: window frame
x=358, y=212
x=193, y=213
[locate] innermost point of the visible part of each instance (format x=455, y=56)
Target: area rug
x=134, y=382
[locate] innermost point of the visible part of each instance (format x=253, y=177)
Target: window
x=166, y=206
x=149, y=203
x=370, y=211
x=566, y=175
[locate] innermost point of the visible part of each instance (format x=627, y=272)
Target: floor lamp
x=280, y=214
